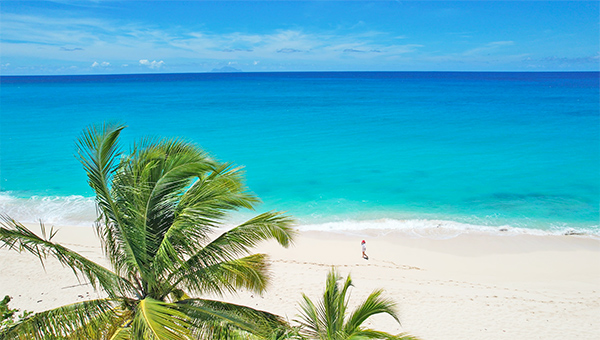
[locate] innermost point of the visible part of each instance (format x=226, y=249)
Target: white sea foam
x=81, y=211
x=437, y=229
x=54, y=210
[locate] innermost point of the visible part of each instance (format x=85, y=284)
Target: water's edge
x=81, y=211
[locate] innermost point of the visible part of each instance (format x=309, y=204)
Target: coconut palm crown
x=327, y=319
x=158, y=206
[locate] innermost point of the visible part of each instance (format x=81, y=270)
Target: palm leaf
x=202, y=207
x=249, y=272
x=63, y=321
x=149, y=184
x=159, y=320
x=16, y=236
x=239, y=240
x=217, y=192
x=309, y=318
x=121, y=333
x=373, y=305
x=332, y=310
x=216, y=317
x=226, y=248
x=98, y=152
x=167, y=173
x=325, y=320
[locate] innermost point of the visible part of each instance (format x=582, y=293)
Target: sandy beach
x=471, y=286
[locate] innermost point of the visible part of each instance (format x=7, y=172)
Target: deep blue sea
x=336, y=150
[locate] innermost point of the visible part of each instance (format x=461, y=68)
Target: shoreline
x=78, y=211
x=466, y=287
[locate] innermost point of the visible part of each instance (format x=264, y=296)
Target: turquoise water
x=488, y=149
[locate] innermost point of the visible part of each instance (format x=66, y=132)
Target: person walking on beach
x=364, y=249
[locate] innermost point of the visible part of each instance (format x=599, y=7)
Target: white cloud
x=102, y=64
x=97, y=38
x=152, y=64
x=110, y=40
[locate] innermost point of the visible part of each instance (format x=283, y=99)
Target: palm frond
x=220, y=191
x=225, y=250
x=165, y=169
x=98, y=152
x=17, y=237
x=214, y=317
x=373, y=305
x=98, y=328
x=159, y=320
x=239, y=240
x=120, y=333
x=148, y=186
x=333, y=308
x=202, y=207
x=325, y=320
x=309, y=318
x=250, y=272
x=62, y=322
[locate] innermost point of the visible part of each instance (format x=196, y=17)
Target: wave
x=58, y=210
x=440, y=229
x=78, y=210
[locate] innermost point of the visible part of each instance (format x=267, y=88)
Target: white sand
x=472, y=286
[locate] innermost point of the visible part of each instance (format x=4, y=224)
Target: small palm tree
x=327, y=320
x=157, y=209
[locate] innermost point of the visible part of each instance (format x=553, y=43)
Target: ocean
x=517, y=152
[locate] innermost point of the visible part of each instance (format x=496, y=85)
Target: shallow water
x=487, y=149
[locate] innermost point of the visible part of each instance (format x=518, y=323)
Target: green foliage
x=328, y=320
x=159, y=208
x=7, y=314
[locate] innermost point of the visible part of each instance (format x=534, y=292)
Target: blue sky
x=96, y=37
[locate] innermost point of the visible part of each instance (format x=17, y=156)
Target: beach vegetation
x=161, y=213
x=8, y=315
x=328, y=319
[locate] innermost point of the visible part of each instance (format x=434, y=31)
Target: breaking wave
x=55, y=210
x=81, y=211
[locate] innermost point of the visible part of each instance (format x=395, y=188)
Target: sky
x=123, y=37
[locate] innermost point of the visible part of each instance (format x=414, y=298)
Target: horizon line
x=268, y=72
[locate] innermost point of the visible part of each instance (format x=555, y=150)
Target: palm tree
x=327, y=320
x=158, y=207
